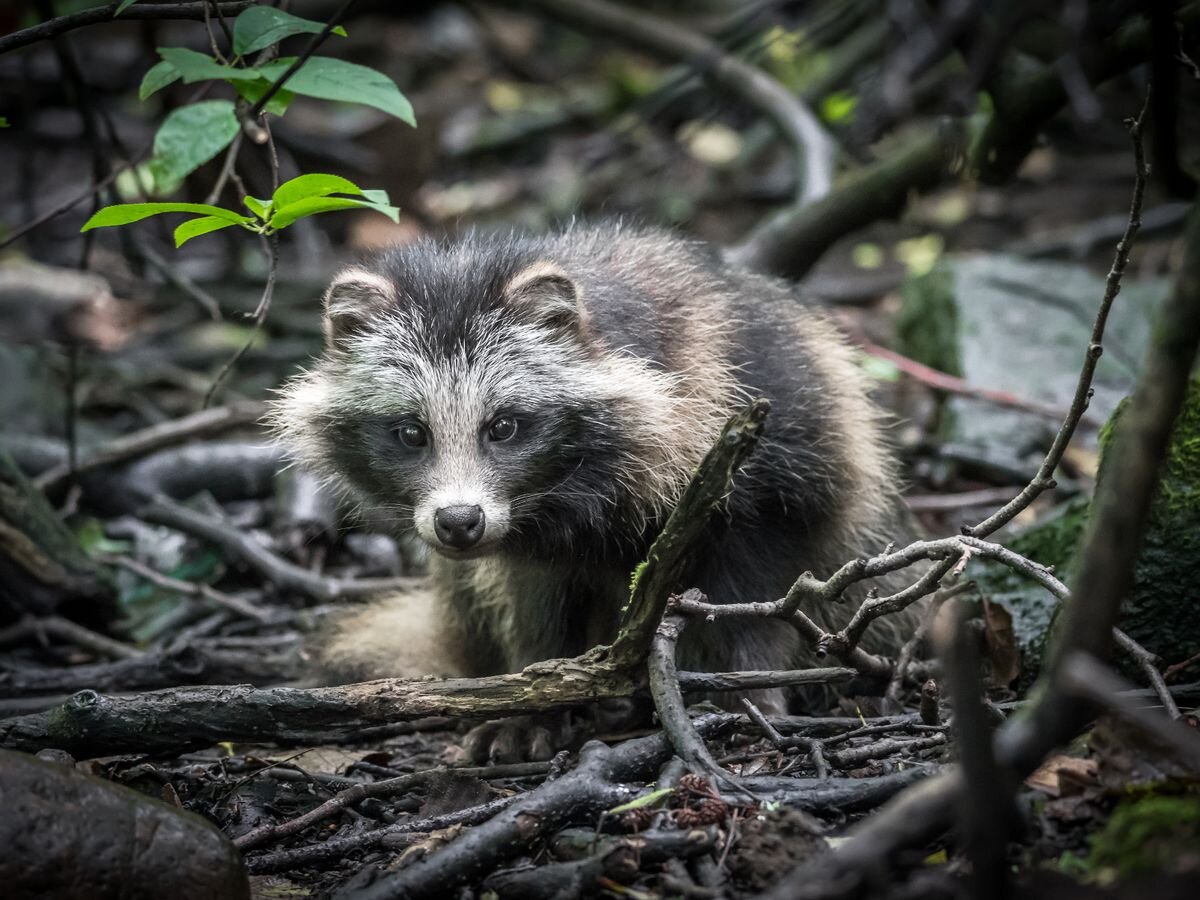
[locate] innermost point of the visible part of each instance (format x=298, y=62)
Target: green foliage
x=643, y=801
x=1150, y=834
x=261, y=26
x=124, y=5
x=158, y=77
x=190, y=136
x=296, y=199
x=335, y=79
x=838, y=108
x=927, y=326
x=194, y=134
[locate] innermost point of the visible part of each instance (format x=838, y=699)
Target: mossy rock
x=1160, y=612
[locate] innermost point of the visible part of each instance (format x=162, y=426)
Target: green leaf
x=192, y=135
x=124, y=213
x=3, y=121
x=252, y=90
x=316, y=185
x=193, y=66
x=878, y=368
x=196, y=227
x=125, y=4
x=839, y=107
x=334, y=79
x=643, y=801
x=160, y=75
x=262, y=26
x=142, y=182
x=259, y=207
x=310, y=206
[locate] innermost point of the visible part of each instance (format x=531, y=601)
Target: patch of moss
x=1163, y=580
x=1150, y=834
x=927, y=327
x=1165, y=569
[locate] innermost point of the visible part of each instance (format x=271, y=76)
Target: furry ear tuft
x=546, y=295
x=354, y=299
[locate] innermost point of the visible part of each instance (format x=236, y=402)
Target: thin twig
x=59, y=25
x=1044, y=479
x=232, y=602
x=256, y=321
x=66, y=630
x=815, y=747
x=1084, y=676
x=389, y=787
x=317, y=40
x=1149, y=664
x=203, y=298
x=952, y=384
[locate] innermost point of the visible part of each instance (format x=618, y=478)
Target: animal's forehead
x=495, y=362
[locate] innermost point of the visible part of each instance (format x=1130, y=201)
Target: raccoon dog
x=531, y=408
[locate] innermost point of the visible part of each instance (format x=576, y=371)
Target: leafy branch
x=303, y=196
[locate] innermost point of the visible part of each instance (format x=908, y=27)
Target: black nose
x=459, y=527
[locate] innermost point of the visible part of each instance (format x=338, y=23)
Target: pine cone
x=709, y=811
x=696, y=784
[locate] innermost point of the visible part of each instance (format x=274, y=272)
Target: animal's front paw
x=519, y=738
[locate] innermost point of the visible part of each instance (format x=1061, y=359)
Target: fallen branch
x=71, y=632
x=658, y=577
x=811, y=144
x=598, y=783
x=389, y=787
x=668, y=701
x=150, y=669
x=142, y=443
x=789, y=242
x=283, y=574
x=232, y=602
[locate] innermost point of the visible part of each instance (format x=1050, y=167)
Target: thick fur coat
x=531, y=408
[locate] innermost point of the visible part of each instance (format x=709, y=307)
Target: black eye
x=503, y=428
x=412, y=435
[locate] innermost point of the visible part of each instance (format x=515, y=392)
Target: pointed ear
x=546, y=295
x=354, y=299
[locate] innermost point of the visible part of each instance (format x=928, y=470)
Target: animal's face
x=470, y=435
x=477, y=421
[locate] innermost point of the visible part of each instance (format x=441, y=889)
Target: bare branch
x=286, y=575
x=166, y=434
x=1149, y=664
x=52, y=28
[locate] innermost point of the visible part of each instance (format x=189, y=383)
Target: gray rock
x=70, y=836
x=1005, y=323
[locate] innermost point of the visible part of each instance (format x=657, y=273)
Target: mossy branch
x=658, y=576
